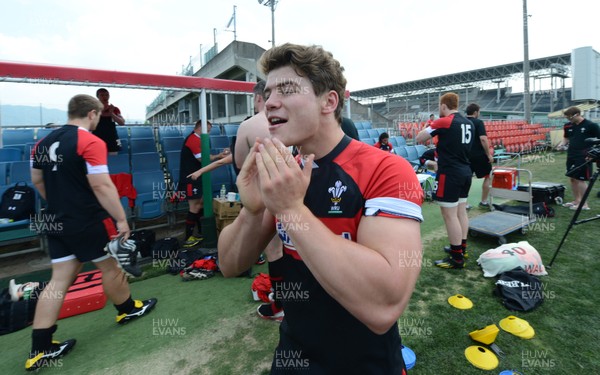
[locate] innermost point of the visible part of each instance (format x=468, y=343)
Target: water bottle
x=223, y=192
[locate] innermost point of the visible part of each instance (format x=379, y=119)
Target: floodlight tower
x=272, y=4
x=526, y=97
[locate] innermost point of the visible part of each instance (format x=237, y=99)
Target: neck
x=80, y=123
x=324, y=141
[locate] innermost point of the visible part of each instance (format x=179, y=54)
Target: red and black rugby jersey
x=66, y=156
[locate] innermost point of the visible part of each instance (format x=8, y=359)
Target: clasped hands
x=272, y=178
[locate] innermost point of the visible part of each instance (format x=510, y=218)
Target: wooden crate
x=226, y=210
x=222, y=223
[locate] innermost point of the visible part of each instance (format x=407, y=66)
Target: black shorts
x=190, y=188
x=451, y=189
x=583, y=173
x=85, y=246
x=480, y=165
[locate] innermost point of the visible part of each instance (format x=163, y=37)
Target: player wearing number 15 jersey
x=455, y=136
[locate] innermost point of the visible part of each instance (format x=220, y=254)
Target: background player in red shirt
x=107, y=126
x=348, y=216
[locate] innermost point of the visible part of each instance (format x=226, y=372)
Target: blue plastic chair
x=141, y=145
x=10, y=154
x=145, y=162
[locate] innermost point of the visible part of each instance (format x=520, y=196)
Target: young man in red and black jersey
x=109, y=119
x=453, y=180
x=190, y=162
x=69, y=169
x=349, y=218
x=576, y=131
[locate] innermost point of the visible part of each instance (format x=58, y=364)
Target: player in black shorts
x=480, y=157
x=191, y=188
x=348, y=216
x=575, y=134
x=455, y=136
x=109, y=119
x=69, y=169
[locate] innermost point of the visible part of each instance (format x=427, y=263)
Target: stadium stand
x=140, y=132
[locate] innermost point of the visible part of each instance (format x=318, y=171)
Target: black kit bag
x=547, y=192
x=165, y=248
x=18, y=202
x=185, y=258
x=144, y=241
x=519, y=290
x=539, y=209
x=16, y=315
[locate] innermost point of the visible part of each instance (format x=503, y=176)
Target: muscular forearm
x=372, y=287
x=241, y=242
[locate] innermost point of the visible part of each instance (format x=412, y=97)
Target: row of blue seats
x=370, y=133
x=362, y=125
x=395, y=141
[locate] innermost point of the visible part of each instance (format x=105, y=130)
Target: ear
x=330, y=102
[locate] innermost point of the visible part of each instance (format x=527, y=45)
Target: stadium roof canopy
x=538, y=67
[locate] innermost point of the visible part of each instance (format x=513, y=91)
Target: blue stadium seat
x=171, y=144
x=173, y=164
x=362, y=133
x=219, y=142
x=393, y=141
x=401, y=151
x=187, y=129
x=381, y=131
x=123, y=132
x=41, y=133
x=145, y=162
x=19, y=171
x=141, y=145
x=220, y=176
x=358, y=125
x=124, y=146
x=401, y=140
x=3, y=173
x=151, y=194
x=367, y=125
x=230, y=129
x=140, y=132
x=215, y=130
x=373, y=133
x=368, y=141
x=17, y=136
x=412, y=154
x=169, y=132
x=118, y=164
x=420, y=150
x=10, y=154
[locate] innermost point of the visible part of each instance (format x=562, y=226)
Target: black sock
x=276, y=276
x=126, y=307
x=41, y=339
x=199, y=223
x=190, y=224
x=464, y=245
x=456, y=252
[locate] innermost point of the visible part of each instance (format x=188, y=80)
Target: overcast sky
x=378, y=42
